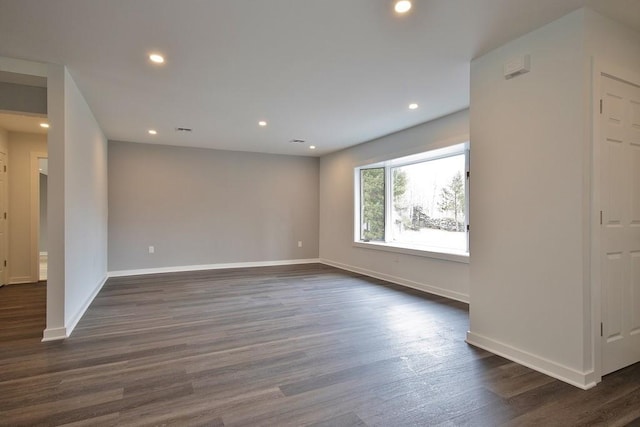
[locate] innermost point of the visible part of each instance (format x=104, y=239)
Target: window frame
x=450, y=150
x=361, y=206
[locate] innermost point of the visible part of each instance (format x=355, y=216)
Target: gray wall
x=437, y=276
x=199, y=206
x=27, y=99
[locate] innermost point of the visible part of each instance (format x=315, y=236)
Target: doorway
x=23, y=141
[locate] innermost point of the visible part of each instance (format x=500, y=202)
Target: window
x=417, y=202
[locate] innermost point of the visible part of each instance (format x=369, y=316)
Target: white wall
x=85, y=204
x=614, y=49
x=77, y=205
x=22, y=238
x=530, y=203
x=337, y=211
x=527, y=197
x=56, y=198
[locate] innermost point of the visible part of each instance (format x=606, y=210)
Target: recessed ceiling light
x=157, y=58
x=153, y=132
x=312, y=147
x=44, y=125
x=403, y=6
x=262, y=123
x=413, y=106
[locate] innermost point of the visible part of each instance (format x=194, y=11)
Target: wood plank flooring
x=279, y=346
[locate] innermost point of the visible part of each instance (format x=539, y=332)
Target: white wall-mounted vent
x=184, y=130
x=297, y=141
x=516, y=66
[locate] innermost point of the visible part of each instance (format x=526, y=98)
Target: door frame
x=4, y=280
x=34, y=245
x=599, y=69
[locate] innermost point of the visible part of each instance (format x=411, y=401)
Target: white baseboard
x=54, y=334
x=458, y=296
x=71, y=325
x=583, y=380
x=202, y=267
x=21, y=280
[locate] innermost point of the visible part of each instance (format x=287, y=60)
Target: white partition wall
x=532, y=294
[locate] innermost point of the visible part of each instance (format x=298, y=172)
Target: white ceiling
x=334, y=73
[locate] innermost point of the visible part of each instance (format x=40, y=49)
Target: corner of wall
x=584, y=380
x=54, y=334
x=529, y=133
x=73, y=321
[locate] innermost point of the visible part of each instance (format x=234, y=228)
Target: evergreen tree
x=373, y=203
x=452, y=198
x=372, y=182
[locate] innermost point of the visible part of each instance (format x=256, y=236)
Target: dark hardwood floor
x=278, y=346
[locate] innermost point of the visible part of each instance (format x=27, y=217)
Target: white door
x=3, y=218
x=620, y=218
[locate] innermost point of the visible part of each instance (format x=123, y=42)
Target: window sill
x=436, y=253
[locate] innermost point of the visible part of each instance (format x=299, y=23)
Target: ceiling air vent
x=298, y=141
x=184, y=130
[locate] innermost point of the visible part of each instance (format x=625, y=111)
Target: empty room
x=319, y=213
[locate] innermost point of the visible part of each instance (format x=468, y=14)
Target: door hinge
x=601, y=329
x=468, y=227
x=468, y=174
x=5, y=262
x=5, y=215
x=600, y=217
x=601, y=106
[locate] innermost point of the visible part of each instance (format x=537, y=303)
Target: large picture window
x=418, y=202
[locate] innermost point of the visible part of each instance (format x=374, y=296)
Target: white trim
x=34, y=208
x=181, y=268
x=71, y=325
x=427, y=253
x=4, y=227
x=54, y=334
x=584, y=380
x=432, y=154
x=458, y=296
x=20, y=280
x=594, y=256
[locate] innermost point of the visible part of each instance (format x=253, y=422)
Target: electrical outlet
x=299, y=243
x=152, y=249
